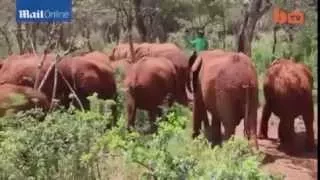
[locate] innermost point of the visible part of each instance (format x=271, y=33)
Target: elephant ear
x=195, y=69
x=192, y=58
x=196, y=65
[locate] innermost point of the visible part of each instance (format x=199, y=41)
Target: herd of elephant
x=223, y=83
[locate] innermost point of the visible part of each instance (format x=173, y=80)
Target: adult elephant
x=14, y=98
x=288, y=92
x=225, y=84
x=148, y=83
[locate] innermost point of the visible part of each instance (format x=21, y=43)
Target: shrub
x=70, y=144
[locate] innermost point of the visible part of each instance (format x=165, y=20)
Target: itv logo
x=281, y=16
x=43, y=11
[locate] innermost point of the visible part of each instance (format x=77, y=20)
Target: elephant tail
x=247, y=106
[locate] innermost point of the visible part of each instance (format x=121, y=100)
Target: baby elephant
x=288, y=92
x=14, y=98
x=148, y=83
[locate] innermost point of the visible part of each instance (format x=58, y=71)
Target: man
x=200, y=43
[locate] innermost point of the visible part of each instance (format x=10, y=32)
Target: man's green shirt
x=200, y=44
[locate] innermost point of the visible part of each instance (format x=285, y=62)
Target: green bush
x=172, y=154
x=70, y=144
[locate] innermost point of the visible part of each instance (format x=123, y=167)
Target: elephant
x=167, y=50
x=83, y=74
x=89, y=75
x=148, y=82
x=287, y=89
x=224, y=84
x=14, y=98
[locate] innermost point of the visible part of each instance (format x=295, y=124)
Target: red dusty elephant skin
x=288, y=92
x=167, y=50
x=96, y=55
x=148, y=83
x=225, y=84
x=20, y=98
x=121, y=51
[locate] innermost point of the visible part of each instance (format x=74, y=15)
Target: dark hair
x=201, y=33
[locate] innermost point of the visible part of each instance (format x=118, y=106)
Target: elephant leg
x=171, y=99
x=114, y=113
x=281, y=131
x=153, y=117
x=199, y=115
x=308, y=118
x=216, y=130
x=226, y=112
x=131, y=111
x=229, y=125
x=286, y=132
x=266, y=113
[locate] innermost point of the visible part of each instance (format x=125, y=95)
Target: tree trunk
x=62, y=39
x=275, y=29
x=140, y=20
x=129, y=24
x=4, y=32
x=251, y=17
x=34, y=28
x=19, y=38
x=224, y=30
x=88, y=34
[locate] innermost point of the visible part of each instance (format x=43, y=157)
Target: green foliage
x=51, y=149
x=172, y=154
x=70, y=144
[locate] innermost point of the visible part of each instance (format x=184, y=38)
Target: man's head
x=200, y=33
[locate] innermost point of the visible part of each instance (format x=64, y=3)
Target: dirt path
x=299, y=167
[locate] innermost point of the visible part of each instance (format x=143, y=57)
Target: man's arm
x=191, y=43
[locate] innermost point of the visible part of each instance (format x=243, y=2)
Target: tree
x=254, y=10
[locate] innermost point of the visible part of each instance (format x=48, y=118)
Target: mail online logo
x=43, y=10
